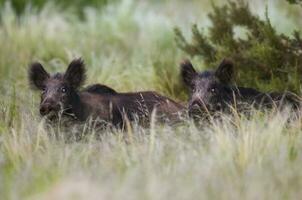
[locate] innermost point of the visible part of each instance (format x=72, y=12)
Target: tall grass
x=130, y=46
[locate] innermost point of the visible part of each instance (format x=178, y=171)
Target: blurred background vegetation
x=263, y=39
x=295, y=1
x=19, y=6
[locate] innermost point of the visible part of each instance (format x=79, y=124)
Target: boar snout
x=197, y=107
x=47, y=108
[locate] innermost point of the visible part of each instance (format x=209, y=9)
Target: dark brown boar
x=213, y=92
x=61, y=96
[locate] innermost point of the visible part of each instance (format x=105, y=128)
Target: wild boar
x=62, y=96
x=213, y=92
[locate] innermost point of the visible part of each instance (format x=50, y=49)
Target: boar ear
x=37, y=76
x=225, y=71
x=75, y=74
x=187, y=72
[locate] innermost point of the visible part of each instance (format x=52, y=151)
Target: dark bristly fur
x=61, y=96
x=100, y=89
x=212, y=92
x=75, y=74
x=37, y=76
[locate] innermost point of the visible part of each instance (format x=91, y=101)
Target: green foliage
x=295, y=1
x=78, y=6
x=263, y=57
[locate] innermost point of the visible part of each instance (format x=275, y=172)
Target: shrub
x=263, y=58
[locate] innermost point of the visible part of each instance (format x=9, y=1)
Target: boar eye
x=213, y=90
x=63, y=89
x=44, y=90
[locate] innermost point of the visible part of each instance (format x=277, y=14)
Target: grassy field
x=130, y=46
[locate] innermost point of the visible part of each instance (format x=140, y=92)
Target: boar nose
x=197, y=109
x=196, y=104
x=46, y=108
x=218, y=106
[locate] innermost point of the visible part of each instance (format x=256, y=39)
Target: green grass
x=130, y=46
